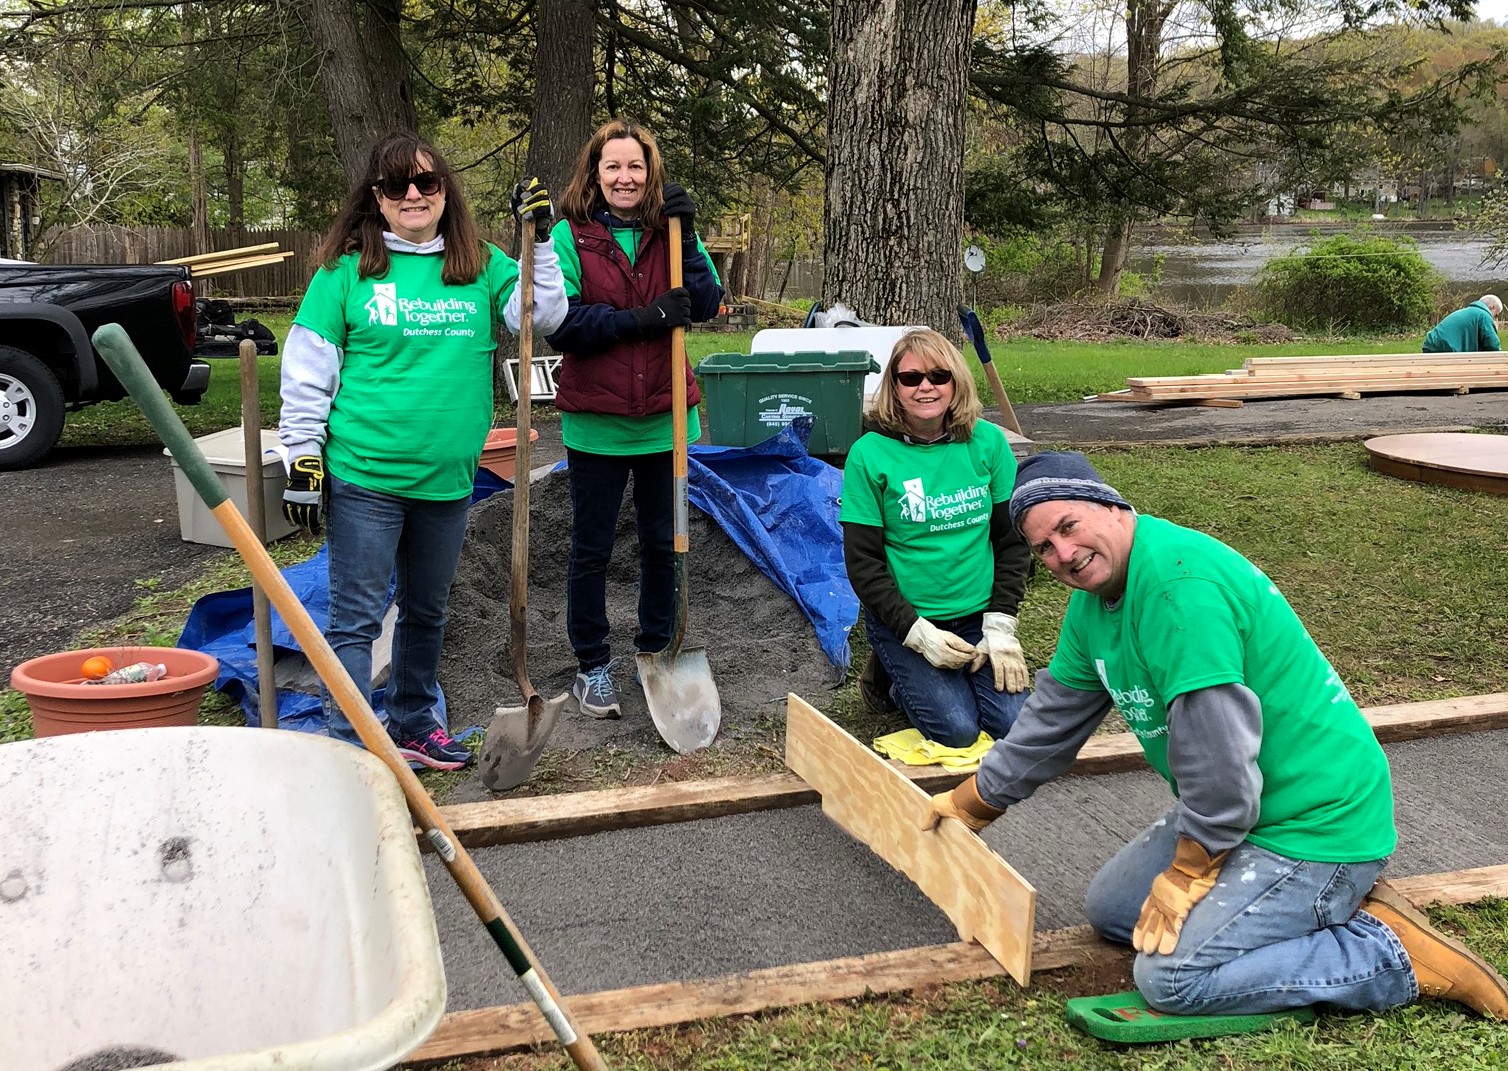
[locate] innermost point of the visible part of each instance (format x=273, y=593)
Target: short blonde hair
x=934, y=351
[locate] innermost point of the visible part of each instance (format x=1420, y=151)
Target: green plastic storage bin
x=751, y=396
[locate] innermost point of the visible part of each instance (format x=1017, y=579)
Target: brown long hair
x=934, y=351
x=359, y=226
x=583, y=193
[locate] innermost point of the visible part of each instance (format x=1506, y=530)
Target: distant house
x=20, y=211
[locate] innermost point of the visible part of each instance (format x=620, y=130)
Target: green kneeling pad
x=1126, y=1018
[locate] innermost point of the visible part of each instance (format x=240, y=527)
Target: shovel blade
x=682, y=697
x=515, y=740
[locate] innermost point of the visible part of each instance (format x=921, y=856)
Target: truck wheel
x=31, y=409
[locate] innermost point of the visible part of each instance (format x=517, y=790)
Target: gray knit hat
x=1056, y=475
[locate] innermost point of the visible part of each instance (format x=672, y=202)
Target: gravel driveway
x=82, y=529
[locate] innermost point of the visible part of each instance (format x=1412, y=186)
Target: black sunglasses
x=428, y=184
x=935, y=376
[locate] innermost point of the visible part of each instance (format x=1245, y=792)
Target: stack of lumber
x=1346, y=377
x=229, y=260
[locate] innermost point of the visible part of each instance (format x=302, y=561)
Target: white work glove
x=1003, y=650
x=943, y=649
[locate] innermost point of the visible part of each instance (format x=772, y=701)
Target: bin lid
x=228, y=447
x=803, y=361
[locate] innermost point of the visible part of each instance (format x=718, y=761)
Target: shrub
x=1351, y=282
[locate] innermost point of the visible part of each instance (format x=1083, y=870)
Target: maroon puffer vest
x=631, y=378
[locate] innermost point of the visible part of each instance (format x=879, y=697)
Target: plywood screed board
x=870, y=800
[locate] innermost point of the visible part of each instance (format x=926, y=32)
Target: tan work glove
x=943, y=649
x=1003, y=650
x=963, y=803
x=1174, y=893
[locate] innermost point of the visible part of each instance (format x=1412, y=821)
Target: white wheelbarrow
x=238, y=898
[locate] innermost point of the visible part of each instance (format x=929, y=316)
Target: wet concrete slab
x=703, y=899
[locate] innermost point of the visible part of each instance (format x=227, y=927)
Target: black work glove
x=670, y=310
x=679, y=203
x=530, y=200
x=303, y=497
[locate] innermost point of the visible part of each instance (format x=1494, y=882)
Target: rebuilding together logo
x=955, y=509
x=385, y=307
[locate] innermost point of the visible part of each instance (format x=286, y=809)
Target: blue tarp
x=776, y=502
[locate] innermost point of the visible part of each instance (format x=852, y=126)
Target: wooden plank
x=222, y=254
x=1454, y=887
x=1363, y=360
x=487, y=1030
x=532, y=818
x=239, y=265
x=514, y=1026
x=979, y=892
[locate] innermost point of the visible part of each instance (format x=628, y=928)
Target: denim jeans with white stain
x=1274, y=933
x=950, y=706
x=369, y=535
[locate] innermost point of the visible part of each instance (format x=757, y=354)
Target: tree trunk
x=893, y=214
x=1145, y=20
x=363, y=76
x=198, y=193
x=564, y=81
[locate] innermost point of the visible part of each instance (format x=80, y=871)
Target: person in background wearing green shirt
x=387, y=402
x=613, y=388
x=930, y=550
x=1259, y=891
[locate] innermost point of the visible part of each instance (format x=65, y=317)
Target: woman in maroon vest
x=613, y=388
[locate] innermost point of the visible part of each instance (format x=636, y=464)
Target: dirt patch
x=1099, y=321
x=759, y=643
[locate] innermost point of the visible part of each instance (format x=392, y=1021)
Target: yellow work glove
x=1000, y=646
x=1174, y=893
x=943, y=649
x=963, y=803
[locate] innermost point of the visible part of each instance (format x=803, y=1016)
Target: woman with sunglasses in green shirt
x=930, y=550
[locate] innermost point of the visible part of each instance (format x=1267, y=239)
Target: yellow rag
x=914, y=749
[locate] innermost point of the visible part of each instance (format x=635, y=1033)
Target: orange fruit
x=97, y=667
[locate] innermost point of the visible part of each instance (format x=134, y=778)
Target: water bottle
x=139, y=673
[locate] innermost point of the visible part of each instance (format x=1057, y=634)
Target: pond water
x=1203, y=273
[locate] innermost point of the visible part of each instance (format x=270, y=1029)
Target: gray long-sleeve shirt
x=1214, y=735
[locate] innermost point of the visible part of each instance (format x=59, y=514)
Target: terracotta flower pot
x=498, y=454
x=62, y=703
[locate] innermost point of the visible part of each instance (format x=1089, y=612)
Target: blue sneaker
x=595, y=693
x=437, y=751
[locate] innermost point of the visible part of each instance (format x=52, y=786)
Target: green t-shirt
x=1197, y=614
x=415, y=399
x=934, y=503
x=609, y=433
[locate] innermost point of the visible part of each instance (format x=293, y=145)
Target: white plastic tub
x=240, y=898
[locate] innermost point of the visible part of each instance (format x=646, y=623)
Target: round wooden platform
x=1454, y=459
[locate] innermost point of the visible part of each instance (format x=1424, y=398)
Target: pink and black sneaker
x=437, y=751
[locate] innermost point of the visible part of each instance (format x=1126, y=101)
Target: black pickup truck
x=47, y=364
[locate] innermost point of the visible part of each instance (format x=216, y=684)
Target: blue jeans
x=369, y=534
x=950, y=706
x=1273, y=933
x=597, y=484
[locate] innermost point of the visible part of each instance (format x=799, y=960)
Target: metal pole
x=256, y=515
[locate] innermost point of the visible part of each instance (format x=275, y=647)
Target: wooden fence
x=785, y=280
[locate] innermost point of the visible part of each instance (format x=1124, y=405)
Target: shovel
x=678, y=685
x=518, y=735
x=975, y=330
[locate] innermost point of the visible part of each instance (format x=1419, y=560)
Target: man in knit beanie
x=1259, y=891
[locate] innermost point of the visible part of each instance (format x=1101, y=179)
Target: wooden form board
x=1279, y=377
x=873, y=802
x=515, y=1026
x=533, y=818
